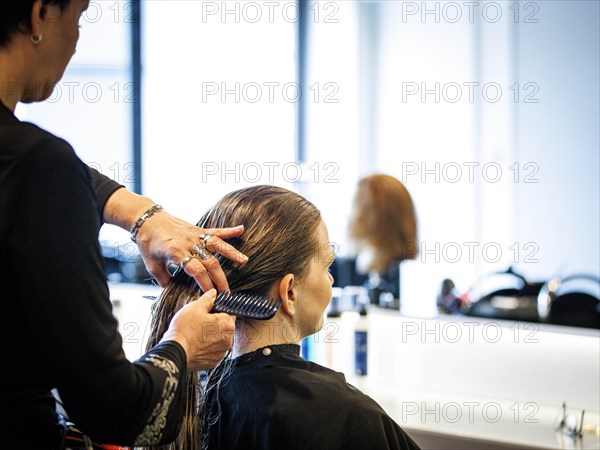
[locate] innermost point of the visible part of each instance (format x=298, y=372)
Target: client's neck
x=255, y=334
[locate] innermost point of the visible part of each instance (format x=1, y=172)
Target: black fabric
x=103, y=188
x=57, y=327
x=281, y=401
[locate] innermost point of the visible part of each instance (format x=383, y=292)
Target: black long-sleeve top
x=57, y=328
x=274, y=399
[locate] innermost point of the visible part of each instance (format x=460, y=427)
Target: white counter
x=452, y=382
x=467, y=377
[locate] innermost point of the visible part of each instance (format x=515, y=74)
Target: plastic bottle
x=360, y=343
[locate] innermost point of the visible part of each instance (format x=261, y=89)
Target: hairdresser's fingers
x=216, y=273
x=159, y=271
x=224, y=233
x=207, y=300
x=227, y=323
x=196, y=269
x=217, y=245
x=161, y=275
x=193, y=267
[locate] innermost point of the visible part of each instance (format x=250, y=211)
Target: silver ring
x=201, y=253
x=205, y=238
x=186, y=260
x=197, y=249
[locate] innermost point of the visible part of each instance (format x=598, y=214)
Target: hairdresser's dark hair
x=280, y=237
x=15, y=16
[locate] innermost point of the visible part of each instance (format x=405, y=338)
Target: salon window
x=219, y=99
x=336, y=126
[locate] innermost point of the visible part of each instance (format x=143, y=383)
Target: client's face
x=315, y=289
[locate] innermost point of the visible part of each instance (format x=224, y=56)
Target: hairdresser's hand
x=165, y=239
x=204, y=337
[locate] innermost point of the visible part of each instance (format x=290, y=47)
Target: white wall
x=530, y=132
x=217, y=115
x=561, y=134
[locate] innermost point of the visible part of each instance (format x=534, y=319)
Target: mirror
x=488, y=113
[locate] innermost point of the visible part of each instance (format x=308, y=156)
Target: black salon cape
x=57, y=328
x=280, y=401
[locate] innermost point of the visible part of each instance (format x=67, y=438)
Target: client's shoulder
x=279, y=372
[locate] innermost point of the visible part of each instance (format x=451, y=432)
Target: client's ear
x=288, y=294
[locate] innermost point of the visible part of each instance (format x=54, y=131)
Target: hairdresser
x=58, y=330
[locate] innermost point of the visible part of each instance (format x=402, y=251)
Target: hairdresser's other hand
x=204, y=337
x=165, y=240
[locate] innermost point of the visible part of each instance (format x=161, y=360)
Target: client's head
x=289, y=257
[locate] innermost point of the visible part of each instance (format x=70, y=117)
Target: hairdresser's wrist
x=173, y=336
x=124, y=207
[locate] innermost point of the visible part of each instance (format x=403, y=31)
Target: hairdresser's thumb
x=207, y=300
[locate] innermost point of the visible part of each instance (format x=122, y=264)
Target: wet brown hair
x=280, y=237
x=384, y=219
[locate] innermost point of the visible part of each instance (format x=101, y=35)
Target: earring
x=36, y=39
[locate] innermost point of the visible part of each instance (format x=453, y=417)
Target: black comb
x=242, y=304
